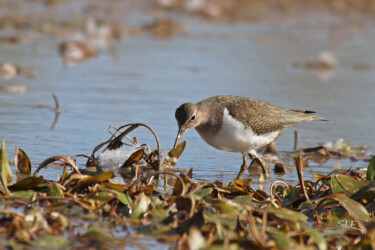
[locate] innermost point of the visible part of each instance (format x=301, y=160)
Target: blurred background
x=115, y=62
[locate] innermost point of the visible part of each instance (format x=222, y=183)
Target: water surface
x=152, y=77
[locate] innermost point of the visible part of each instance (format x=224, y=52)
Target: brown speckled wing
x=261, y=117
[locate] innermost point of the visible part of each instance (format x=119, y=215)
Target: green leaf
x=24, y=195
x=367, y=193
x=100, y=238
x=204, y=192
x=225, y=206
x=6, y=175
x=27, y=183
x=215, y=218
x=140, y=206
x=346, y=184
x=370, y=175
x=282, y=240
x=355, y=209
x=319, y=240
x=122, y=197
x=287, y=214
x=159, y=214
x=54, y=190
x=51, y=242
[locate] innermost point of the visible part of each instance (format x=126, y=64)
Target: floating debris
x=8, y=71
x=102, y=36
x=279, y=168
x=10, y=39
x=325, y=61
x=324, y=65
x=16, y=89
x=163, y=28
x=74, y=52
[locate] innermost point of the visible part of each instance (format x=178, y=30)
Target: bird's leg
x=243, y=166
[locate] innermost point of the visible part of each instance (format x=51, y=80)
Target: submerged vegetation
x=88, y=207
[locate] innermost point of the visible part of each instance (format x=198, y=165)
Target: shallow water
x=152, y=77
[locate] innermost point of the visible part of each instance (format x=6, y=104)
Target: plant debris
x=87, y=208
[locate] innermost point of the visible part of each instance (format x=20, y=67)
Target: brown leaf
x=135, y=157
x=180, y=188
x=87, y=180
x=63, y=159
x=279, y=168
x=22, y=162
x=175, y=153
x=197, y=220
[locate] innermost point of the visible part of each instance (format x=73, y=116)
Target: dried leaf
x=179, y=187
x=88, y=180
x=321, y=177
x=117, y=141
x=257, y=167
x=197, y=220
x=5, y=171
x=175, y=153
x=22, y=162
x=185, y=204
x=135, y=157
x=114, y=186
x=63, y=159
x=279, y=168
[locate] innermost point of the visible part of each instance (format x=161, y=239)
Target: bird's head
x=186, y=116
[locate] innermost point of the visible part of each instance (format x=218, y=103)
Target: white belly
x=234, y=137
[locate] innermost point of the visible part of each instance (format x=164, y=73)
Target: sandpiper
x=238, y=124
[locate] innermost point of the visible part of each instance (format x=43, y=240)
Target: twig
x=273, y=184
x=153, y=132
x=296, y=139
x=299, y=166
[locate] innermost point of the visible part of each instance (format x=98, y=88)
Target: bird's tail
x=309, y=115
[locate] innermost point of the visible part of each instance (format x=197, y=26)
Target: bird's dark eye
x=192, y=118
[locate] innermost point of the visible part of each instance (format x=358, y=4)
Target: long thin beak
x=181, y=131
